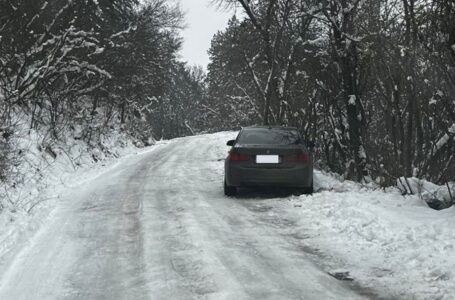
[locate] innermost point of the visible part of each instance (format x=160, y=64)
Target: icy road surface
x=157, y=226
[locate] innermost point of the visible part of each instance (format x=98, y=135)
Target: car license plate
x=267, y=159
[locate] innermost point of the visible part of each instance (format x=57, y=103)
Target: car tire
x=308, y=190
x=229, y=190
x=305, y=191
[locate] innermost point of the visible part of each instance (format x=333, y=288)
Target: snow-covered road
x=157, y=226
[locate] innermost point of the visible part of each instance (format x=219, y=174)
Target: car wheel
x=308, y=190
x=229, y=190
x=304, y=191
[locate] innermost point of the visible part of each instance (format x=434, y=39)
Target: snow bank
x=384, y=241
x=48, y=169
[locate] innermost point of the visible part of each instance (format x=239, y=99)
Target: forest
x=85, y=68
x=372, y=83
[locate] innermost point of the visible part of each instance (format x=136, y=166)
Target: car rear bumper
x=298, y=176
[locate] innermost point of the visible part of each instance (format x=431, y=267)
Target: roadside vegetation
x=78, y=72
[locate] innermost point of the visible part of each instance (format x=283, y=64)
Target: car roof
x=269, y=127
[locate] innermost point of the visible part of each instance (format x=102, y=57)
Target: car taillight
x=235, y=156
x=302, y=157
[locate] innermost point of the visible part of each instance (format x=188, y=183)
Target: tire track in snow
x=233, y=254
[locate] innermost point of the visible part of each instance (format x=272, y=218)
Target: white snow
x=26, y=202
x=452, y=129
x=362, y=154
x=387, y=242
x=157, y=223
x=316, y=41
x=442, y=141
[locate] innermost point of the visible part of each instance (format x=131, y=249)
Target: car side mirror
x=230, y=143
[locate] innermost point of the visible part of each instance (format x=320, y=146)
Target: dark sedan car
x=268, y=156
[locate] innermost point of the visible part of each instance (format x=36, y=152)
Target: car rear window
x=268, y=137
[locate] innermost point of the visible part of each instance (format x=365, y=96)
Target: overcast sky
x=203, y=20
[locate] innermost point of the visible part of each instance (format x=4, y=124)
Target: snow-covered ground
x=156, y=225
x=389, y=243
x=42, y=179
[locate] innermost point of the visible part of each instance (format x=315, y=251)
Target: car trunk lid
x=287, y=155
